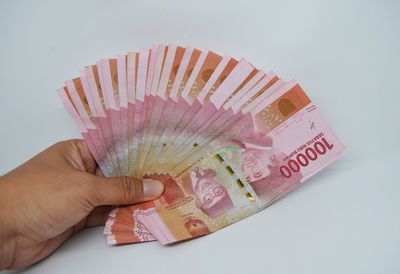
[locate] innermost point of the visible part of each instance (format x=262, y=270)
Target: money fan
x=226, y=138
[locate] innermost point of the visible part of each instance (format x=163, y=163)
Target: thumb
x=125, y=190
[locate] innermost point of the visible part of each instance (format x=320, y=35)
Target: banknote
x=116, y=96
x=126, y=219
x=250, y=172
x=90, y=133
x=232, y=77
x=95, y=97
x=176, y=56
x=177, y=106
x=208, y=67
x=140, y=106
x=197, y=145
x=155, y=66
x=225, y=138
x=289, y=141
x=131, y=74
x=74, y=99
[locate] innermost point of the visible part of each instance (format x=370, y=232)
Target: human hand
x=54, y=195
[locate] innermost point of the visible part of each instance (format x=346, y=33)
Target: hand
x=54, y=195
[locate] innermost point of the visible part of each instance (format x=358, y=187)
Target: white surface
x=346, y=54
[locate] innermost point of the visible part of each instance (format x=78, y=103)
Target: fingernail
x=152, y=188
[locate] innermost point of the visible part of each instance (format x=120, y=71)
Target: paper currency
x=225, y=138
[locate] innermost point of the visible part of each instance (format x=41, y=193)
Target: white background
x=346, y=54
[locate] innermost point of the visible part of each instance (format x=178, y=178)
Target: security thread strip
x=232, y=173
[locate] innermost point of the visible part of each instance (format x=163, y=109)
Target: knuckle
x=130, y=188
x=127, y=188
x=69, y=145
x=64, y=143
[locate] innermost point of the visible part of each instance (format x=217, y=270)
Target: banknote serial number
x=303, y=159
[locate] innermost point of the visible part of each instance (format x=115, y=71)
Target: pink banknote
x=225, y=138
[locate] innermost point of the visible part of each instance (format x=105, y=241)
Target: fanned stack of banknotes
x=225, y=138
